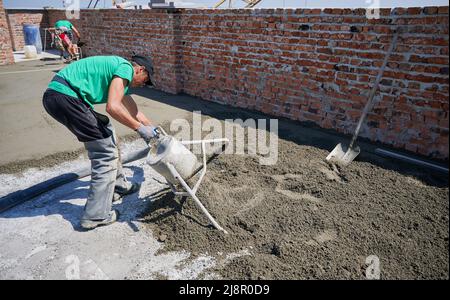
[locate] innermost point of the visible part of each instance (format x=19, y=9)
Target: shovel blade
x=337, y=153
x=350, y=155
x=343, y=154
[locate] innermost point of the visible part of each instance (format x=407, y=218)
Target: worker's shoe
x=113, y=216
x=120, y=192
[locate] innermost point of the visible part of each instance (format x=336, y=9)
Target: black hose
x=22, y=196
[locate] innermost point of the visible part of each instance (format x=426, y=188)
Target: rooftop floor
x=300, y=218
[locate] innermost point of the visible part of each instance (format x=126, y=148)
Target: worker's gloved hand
x=148, y=132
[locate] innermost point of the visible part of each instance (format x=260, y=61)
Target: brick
x=443, y=10
x=337, y=11
x=400, y=11
x=414, y=10
x=430, y=10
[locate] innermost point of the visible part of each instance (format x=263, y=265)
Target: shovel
x=343, y=154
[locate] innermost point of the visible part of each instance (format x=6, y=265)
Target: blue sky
x=239, y=3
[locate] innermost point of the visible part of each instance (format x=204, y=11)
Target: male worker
x=70, y=98
x=64, y=29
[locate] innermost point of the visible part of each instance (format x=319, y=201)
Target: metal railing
x=250, y=3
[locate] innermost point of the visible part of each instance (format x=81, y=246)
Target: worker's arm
x=132, y=108
x=116, y=107
x=76, y=32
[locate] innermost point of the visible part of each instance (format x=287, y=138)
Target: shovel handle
x=374, y=89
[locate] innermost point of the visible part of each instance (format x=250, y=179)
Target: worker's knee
x=103, y=150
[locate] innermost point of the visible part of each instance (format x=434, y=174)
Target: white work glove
x=148, y=132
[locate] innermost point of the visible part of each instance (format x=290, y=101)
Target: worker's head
x=143, y=71
x=141, y=76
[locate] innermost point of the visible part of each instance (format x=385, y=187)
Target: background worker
x=65, y=29
x=70, y=99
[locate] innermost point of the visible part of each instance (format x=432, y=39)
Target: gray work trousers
x=106, y=175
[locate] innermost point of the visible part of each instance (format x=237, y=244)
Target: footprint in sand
x=298, y=196
x=291, y=194
x=258, y=197
x=413, y=181
x=235, y=201
x=323, y=237
x=331, y=172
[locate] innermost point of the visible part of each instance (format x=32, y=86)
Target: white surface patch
x=13, y=182
x=36, y=250
x=19, y=56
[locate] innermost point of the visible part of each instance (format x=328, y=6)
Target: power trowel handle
x=156, y=133
x=160, y=131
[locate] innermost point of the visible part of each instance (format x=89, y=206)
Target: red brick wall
x=317, y=65
x=18, y=17
x=6, y=54
x=305, y=64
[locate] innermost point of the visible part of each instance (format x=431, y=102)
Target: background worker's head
x=143, y=71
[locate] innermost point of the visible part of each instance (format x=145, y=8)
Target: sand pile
x=305, y=218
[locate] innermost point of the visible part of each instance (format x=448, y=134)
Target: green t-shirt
x=91, y=77
x=63, y=23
